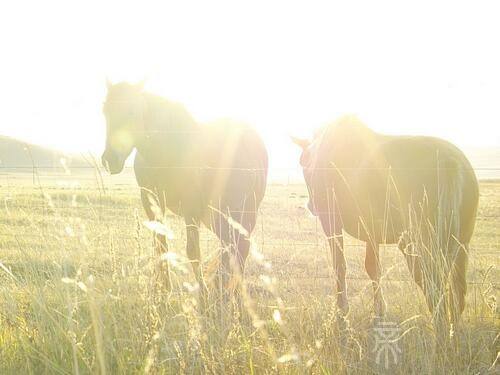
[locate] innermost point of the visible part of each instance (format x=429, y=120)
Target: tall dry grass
x=78, y=295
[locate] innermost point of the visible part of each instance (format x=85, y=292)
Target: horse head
x=123, y=110
x=307, y=169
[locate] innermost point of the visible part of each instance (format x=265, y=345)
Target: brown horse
x=419, y=192
x=215, y=175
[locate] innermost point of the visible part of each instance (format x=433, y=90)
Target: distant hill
x=17, y=156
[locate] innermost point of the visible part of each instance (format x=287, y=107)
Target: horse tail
x=447, y=246
x=450, y=186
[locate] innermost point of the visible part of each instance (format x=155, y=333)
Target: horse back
x=234, y=162
x=224, y=166
x=408, y=172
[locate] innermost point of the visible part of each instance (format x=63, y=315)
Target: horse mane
x=159, y=112
x=345, y=141
x=122, y=92
x=162, y=113
x=348, y=124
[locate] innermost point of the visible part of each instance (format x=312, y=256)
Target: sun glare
x=233, y=187
x=286, y=69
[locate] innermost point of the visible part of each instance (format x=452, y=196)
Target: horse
x=415, y=191
x=214, y=174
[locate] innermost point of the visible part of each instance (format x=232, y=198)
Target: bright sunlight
x=249, y=187
x=286, y=68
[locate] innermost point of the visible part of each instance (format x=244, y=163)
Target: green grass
x=77, y=293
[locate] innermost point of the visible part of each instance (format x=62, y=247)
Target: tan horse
x=206, y=174
x=419, y=192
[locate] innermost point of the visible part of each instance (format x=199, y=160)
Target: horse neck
x=351, y=148
x=169, y=133
x=343, y=153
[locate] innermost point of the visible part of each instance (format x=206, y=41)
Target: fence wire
x=77, y=181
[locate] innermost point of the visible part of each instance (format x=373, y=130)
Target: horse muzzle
x=111, y=162
x=312, y=208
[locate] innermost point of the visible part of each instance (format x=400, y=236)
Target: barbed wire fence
x=24, y=180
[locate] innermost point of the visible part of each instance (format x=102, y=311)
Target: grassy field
x=76, y=292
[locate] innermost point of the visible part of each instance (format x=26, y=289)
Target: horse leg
x=236, y=260
x=233, y=261
x=458, y=288
x=224, y=232
x=151, y=205
x=333, y=230
x=243, y=246
x=412, y=260
x=162, y=268
x=235, y=254
x=193, y=253
x=247, y=219
x=372, y=265
x=430, y=282
x=339, y=265
x=331, y=224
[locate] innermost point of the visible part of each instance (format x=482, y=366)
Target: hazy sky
x=286, y=67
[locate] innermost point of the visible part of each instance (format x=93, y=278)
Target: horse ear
x=301, y=142
x=108, y=83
